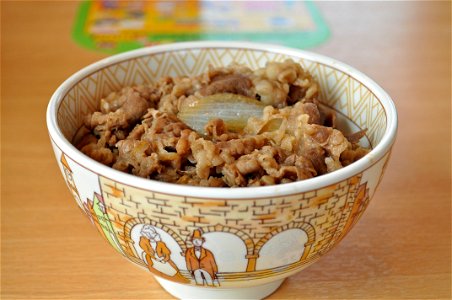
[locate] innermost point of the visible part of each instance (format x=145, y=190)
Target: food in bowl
x=251, y=238
x=228, y=127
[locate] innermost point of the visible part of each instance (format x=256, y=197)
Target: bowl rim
x=375, y=155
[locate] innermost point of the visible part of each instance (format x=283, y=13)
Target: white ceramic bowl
x=252, y=238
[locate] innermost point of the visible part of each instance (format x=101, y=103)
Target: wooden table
x=400, y=249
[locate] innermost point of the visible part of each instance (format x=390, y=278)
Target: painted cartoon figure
x=201, y=262
x=157, y=255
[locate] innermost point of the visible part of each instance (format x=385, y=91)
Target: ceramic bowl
x=221, y=242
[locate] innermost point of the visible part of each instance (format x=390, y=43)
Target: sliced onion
x=271, y=125
x=234, y=110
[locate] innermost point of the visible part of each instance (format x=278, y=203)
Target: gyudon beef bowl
x=221, y=167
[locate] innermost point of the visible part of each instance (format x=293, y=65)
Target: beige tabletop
x=401, y=248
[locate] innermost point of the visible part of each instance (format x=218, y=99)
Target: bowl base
x=182, y=291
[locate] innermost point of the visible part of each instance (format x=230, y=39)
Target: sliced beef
x=229, y=83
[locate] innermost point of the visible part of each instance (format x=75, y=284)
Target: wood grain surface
x=401, y=248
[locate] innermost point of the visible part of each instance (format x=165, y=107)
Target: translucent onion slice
x=234, y=110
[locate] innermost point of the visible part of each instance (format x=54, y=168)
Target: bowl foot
x=182, y=291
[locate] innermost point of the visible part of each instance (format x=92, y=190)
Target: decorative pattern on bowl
x=221, y=238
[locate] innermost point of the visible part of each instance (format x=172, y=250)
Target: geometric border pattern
x=338, y=90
